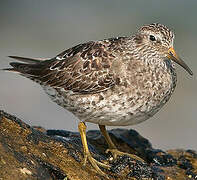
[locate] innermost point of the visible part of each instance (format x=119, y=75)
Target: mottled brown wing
x=86, y=68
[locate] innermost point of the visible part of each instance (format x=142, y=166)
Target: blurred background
x=34, y=28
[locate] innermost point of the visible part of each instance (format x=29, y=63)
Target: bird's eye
x=152, y=38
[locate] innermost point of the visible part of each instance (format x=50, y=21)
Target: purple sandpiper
x=112, y=82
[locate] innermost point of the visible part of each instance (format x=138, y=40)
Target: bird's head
x=157, y=40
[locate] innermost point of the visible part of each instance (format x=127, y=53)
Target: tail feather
x=27, y=66
x=20, y=67
x=26, y=60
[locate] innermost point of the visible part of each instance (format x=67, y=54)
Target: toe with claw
x=116, y=152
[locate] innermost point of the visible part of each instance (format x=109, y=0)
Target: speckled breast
x=140, y=94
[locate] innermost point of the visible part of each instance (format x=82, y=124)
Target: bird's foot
x=116, y=152
x=95, y=164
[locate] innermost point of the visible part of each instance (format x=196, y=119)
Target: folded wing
x=85, y=68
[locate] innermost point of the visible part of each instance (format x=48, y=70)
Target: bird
x=118, y=81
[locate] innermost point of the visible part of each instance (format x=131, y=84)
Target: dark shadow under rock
x=35, y=153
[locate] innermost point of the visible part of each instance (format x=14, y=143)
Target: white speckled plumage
x=116, y=82
x=136, y=100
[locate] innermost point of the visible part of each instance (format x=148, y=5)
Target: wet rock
x=35, y=153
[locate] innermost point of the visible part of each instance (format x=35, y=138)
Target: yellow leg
x=107, y=137
x=112, y=148
x=87, y=155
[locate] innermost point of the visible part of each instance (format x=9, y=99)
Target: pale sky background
x=35, y=28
